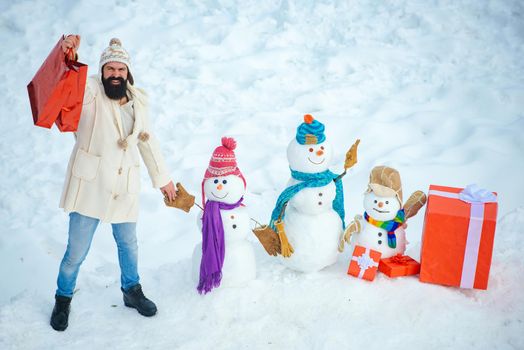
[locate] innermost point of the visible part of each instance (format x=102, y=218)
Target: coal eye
x=224, y=182
x=216, y=181
x=375, y=201
x=311, y=150
x=322, y=147
x=387, y=202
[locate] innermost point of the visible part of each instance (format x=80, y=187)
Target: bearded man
x=103, y=176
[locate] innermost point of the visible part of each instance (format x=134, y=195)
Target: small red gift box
x=458, y=235
x=364, y=263
x=399, y=265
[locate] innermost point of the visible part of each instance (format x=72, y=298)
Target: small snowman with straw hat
x=382, y=227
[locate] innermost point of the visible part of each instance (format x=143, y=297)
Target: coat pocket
x=133, y=179
x=86, y=165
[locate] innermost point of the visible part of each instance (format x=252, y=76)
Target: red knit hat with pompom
x=223, y=162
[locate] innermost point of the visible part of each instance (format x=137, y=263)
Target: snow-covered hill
x=432, y=88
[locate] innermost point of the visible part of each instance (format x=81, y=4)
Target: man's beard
x=115, y=92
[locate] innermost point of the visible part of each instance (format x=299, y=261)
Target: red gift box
x=458, y=235
x=399, y=265
x=364, y=263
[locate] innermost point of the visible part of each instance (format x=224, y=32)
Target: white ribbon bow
x=474, y=194
x=365, y=262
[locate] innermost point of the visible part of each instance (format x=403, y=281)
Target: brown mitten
x=353, y=227
x=351, y=155
x=414, y=203
x=285, y=247
x=269, y=239
x=183, y=200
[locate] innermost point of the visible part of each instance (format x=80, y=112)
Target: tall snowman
x=224, y=257
x=309, y=213
x=382, y=227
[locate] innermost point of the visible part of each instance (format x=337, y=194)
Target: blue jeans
x=81, y=231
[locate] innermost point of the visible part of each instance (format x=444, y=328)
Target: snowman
x=225, y=256
x=309, y=213
x=382, y=228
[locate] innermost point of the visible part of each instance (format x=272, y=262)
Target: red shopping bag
x=57, y=90
x=75, y=82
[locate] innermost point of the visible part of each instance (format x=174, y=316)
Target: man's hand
x=169, y=191
x=183, y=200
x=71, y=44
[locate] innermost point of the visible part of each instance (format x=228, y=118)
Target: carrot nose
x=380, y=204
x=320, y=152
x=219, y=187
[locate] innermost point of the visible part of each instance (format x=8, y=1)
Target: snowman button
x=234, y=226
x=319, y=203
x=232, y=216
x=320, y=194
x=380, y=234
x=379, y=242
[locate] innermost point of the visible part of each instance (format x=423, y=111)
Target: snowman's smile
x=322, y=161
x=381, y=211
x=214, y=195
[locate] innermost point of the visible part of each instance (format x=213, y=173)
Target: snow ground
x=432, y=88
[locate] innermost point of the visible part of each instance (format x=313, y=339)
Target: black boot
x=60, y=315
x=135, y=298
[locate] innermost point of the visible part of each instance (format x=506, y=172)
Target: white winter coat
x=103, y=179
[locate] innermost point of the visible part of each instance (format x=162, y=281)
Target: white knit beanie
x=115, y=53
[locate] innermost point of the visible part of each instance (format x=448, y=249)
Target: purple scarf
x=213, y=247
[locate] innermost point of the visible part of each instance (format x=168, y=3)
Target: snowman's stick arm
x=351, y=159
x=282, y=211
x=340, y=176
x=256, y=222
x=279, y=216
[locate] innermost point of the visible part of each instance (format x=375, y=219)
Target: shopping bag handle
x=70, y=55
x=70, y=59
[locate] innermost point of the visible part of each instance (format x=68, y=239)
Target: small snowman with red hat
x=225, y=256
